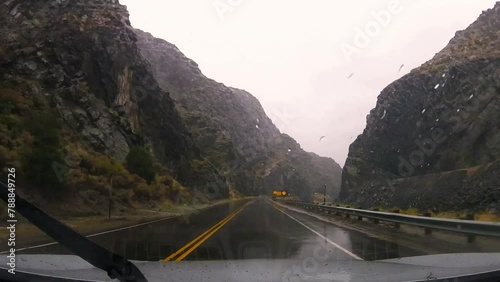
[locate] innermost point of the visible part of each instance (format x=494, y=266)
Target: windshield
x=314, y=139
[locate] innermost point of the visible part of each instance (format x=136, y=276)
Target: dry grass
x=318, y=198
x=471, y=171
x=488, y=217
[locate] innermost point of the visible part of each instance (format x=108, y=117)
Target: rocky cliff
x=231, y=128
x=431, y=138
x=80, y=60
x=80, y=88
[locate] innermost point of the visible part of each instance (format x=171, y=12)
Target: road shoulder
x=29, y=235
x=438, y=242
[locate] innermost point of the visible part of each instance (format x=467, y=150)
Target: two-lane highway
x=246, y=229
x=266, y=230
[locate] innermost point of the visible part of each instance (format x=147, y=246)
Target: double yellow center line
x=191, y=246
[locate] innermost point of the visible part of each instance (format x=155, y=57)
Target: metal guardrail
x=456, y=225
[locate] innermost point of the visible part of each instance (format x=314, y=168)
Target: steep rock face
x=326, y=171
x=80, y=57
x=441, y=117
x=231, y=128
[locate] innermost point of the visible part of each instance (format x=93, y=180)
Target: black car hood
x=421, y=268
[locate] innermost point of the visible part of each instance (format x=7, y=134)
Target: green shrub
x=45, y=127
x=38, y=163
x=37, y=167
x=103, y=165
x=140, y=162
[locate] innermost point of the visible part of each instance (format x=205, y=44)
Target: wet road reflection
x=360, y=244
x=258, y=231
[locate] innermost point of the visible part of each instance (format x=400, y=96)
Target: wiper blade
x=116, y=266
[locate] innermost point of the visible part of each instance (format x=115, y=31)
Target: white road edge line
x=92, y=235
x=323, y=237
x=115, y=230
x=55, y=276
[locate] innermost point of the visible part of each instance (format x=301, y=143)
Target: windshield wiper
x=116, y=266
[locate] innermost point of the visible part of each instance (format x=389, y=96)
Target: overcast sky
x=317, y=67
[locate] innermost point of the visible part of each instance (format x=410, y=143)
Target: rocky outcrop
x=231, y=128
x=81, y=58
x=441, y=117
x=114, y=87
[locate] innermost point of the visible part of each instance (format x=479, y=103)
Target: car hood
x=421, y=268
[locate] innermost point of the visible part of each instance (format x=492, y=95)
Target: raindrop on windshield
x=423, y=111
x=436, y=87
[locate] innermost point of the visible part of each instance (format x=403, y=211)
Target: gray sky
x=296, y=56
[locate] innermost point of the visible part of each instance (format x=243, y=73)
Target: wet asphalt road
x=247, y=229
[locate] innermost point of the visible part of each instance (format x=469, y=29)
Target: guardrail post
x=337, y=212
x=428, y=231
x=376, y=221
x=396, y=224
x=470, y=237
x=347, y=215
x=465, y=225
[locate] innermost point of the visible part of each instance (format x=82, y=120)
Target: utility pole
x=110, y=203
x=324, y=195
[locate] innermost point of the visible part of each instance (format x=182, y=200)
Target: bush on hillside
x=39, y=162
x=140, y=162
